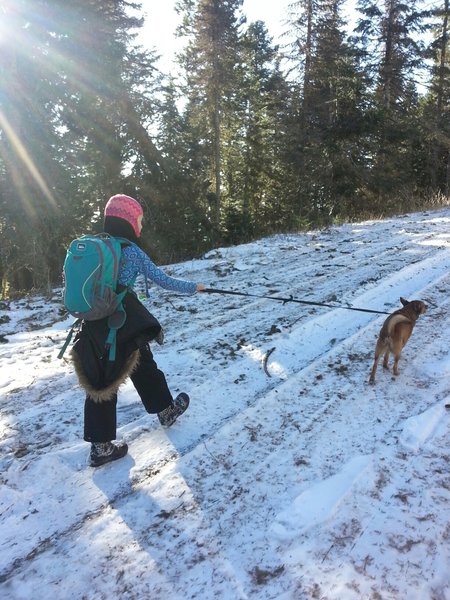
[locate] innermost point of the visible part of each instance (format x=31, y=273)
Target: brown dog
x=396, y=331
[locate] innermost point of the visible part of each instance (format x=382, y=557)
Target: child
x=101, y=377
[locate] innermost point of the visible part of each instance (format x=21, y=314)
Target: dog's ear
x=403, y=301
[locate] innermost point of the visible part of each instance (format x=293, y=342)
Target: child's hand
x=200, y=287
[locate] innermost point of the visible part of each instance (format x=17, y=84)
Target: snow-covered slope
x=289, y=477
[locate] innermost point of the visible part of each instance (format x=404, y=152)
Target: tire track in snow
x=295, y=269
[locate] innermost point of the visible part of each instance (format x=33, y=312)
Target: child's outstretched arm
x=135, y=261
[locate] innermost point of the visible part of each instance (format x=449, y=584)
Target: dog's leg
x=378, y=351
x=386, y=359
x=395, y=368
x=397, y=350
x=373, y=372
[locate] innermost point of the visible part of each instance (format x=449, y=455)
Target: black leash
x=291, y=299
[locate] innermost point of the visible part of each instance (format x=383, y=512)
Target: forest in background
x=248, y=138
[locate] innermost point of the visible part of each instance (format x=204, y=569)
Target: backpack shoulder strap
x=69, y=338
x=116, y=320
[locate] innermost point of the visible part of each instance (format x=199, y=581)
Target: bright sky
x=162, y=20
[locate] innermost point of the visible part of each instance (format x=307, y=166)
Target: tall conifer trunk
x=441, y=82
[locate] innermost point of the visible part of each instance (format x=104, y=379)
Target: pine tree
x=391, y=39
x=436, y=111
x=332, y=98
x=74, y=117
x=32, y=176
x=209, y=61
x=250, y=157
x=177, y=226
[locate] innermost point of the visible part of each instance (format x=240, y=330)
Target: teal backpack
x=91, y=269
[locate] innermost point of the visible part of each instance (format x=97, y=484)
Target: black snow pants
x=100, y=419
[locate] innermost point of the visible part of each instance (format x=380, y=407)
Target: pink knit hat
x=126, y=208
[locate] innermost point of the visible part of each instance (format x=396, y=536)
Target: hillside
x=288, y=478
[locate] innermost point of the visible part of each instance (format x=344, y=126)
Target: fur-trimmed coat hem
x=107, y=393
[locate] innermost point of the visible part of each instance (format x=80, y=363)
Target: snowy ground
x=294, y=481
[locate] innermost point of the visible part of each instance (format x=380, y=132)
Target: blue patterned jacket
x=134, y=261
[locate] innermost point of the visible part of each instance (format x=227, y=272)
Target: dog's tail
x=393, y=321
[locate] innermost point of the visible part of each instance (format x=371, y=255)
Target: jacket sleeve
x=135, y=261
